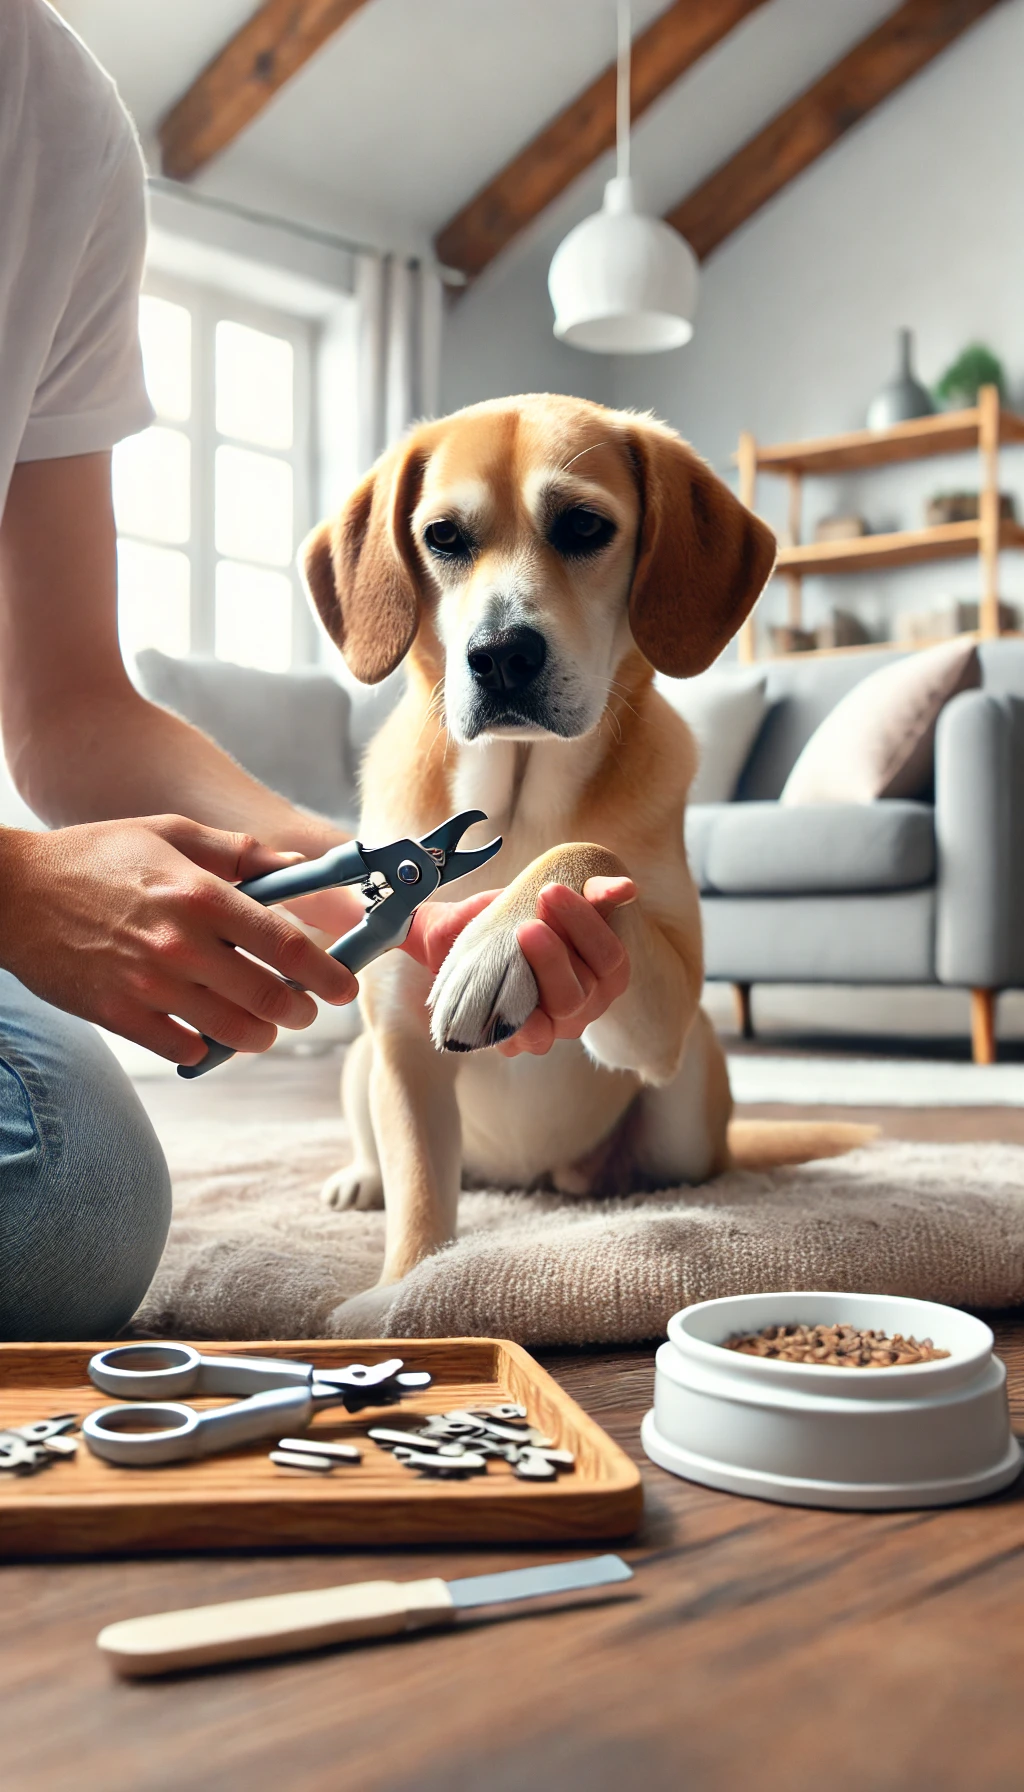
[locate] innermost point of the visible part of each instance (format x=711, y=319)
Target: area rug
x=253, y=1253
x=873, y=1082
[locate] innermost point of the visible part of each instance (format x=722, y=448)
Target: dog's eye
x=579, y=531
x=446, y=539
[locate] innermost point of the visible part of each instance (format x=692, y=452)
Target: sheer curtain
x=399, y=312
x=379, y=373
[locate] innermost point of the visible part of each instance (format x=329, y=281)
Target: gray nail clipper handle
x=342, y=865
x=215, y=1054
x=375, y=933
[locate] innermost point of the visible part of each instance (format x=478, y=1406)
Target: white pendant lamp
x=623, y=283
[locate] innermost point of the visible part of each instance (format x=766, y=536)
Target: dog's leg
x=675, y=1132
x=358, y=1184
x=485, y=989
x=419, y=1139
x=680, y=1130
x=409, y=1095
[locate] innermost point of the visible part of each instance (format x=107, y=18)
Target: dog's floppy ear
x=361, y=568
x=702, y=557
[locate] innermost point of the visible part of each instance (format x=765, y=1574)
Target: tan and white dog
x=534, y=559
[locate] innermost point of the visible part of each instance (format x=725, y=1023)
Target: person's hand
x=580, y=965
x=133, y=923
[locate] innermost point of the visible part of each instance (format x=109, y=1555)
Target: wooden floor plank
x=759, y=1647
x=758, y=1644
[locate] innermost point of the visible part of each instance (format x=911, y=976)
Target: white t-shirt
x=72, y=240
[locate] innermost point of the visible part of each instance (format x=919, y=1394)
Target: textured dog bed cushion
x=253, y=1254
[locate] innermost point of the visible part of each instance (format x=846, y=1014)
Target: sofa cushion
x=879, y=741
x=725, y=712
x=881, y=936
x=760, y=849
x=289, y=729
x=1002, y=666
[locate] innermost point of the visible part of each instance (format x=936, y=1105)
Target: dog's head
x=536, y=540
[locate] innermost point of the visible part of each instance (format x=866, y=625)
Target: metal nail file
x=287, y=1623
x=536, y=1583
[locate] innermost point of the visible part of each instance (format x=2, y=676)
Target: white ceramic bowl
x=932, y=1434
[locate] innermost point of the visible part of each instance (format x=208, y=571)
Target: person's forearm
x=117, y=755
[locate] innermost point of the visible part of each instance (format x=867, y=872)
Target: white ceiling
x=415, y=103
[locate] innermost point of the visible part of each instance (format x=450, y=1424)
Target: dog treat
x=835, y=1347
x=28, y=1449
x=463, y=1441
x=459, y=1462
x=61, y=1446
x=301, y=1462
x=316, y=1446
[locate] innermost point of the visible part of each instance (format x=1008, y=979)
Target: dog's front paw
x=362, y=1316
x=357, y=1185
x=485, y=989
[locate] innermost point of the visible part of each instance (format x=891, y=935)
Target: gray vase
x=905, y=396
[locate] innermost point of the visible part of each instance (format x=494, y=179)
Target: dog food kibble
x=835, y=1347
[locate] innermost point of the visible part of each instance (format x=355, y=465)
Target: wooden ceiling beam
x=566, y=147
x=875, y=68
x=233, y=89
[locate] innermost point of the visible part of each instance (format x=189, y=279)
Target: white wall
x=498, y=338
x=916, y=218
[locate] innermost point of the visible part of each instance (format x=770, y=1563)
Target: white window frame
x=207, y=306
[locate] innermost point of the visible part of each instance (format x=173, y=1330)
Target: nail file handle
x=284, y=1624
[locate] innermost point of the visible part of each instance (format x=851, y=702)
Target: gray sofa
x=928, y=892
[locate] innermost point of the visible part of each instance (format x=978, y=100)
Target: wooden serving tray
x=84, y=1506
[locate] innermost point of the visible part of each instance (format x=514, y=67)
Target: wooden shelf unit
x=986, y=426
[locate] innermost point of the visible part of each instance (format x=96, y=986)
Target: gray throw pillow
x=289, y=729
x=725, y=711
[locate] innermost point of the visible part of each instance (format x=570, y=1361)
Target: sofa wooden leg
x=983, y=1025
x=744, y=1014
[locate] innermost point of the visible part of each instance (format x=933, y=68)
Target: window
x=213, y=499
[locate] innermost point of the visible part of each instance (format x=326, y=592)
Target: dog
x=534, y=561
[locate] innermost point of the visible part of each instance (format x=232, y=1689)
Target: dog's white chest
x=485, y=778
x=528, y=789
x=522, y=1117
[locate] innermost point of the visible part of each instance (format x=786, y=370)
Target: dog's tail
x=769, y=1144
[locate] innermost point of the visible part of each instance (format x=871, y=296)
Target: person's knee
x=86, y=1199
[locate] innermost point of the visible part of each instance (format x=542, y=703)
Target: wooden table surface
x=759, y=1646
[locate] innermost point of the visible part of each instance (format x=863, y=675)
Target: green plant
x=977, y=366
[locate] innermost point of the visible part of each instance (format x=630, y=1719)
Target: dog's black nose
x=508, y=661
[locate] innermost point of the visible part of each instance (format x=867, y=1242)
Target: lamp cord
x=622, y=93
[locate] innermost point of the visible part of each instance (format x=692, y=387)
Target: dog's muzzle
x=504, y=663
x=506, y=686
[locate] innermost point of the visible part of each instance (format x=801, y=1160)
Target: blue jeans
x=85, y=1194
